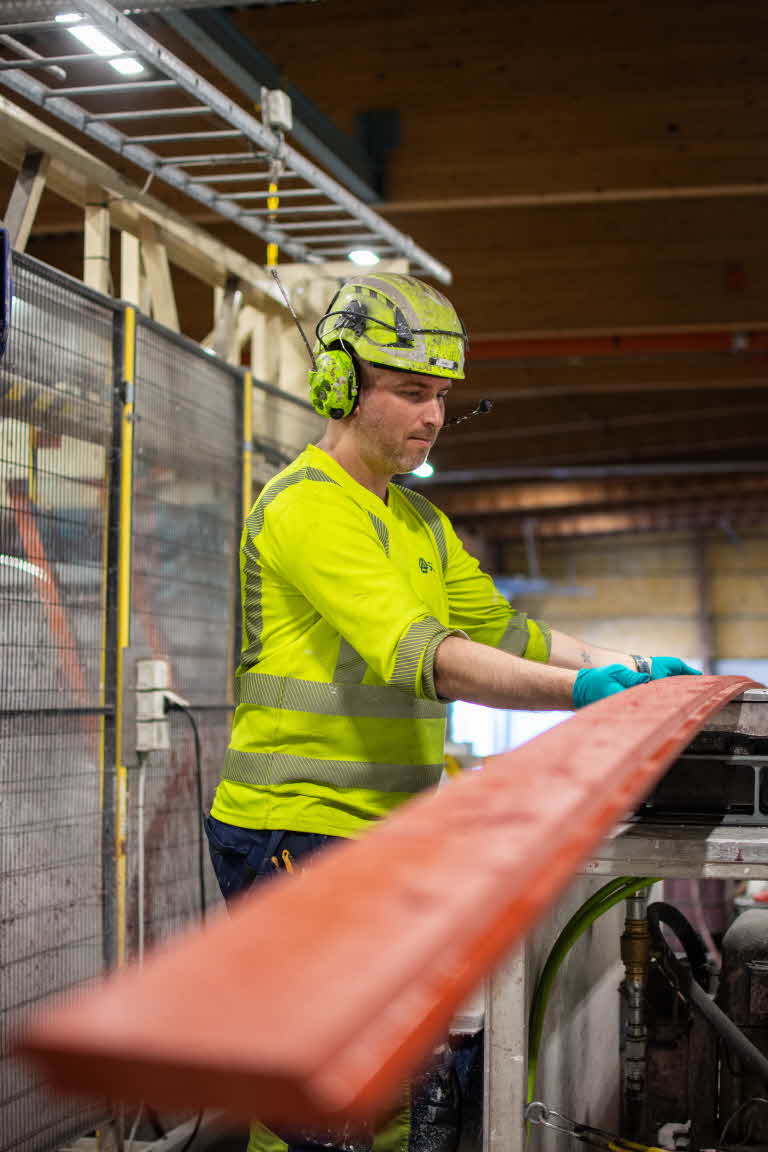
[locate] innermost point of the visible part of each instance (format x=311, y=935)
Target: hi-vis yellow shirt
x=345, y=600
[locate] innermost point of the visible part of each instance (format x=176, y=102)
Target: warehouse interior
x=585, y=180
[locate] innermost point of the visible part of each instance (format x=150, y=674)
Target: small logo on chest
x=425, y=565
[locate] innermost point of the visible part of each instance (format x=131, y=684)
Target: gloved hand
x=662, y=666
x=594, y=683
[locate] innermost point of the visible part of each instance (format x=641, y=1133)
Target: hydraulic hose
x=601, y=901
x=683, y=979
x=695, y=949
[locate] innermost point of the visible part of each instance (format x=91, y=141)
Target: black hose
x=683, y=979
x=174, y=705
x=695, y=950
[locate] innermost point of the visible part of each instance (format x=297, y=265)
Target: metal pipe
x=326, y=226
x=151, y=113
x=292, y=193
x=47, y=61
x=233, y=177
x=635, y=953
x=107, y=89
x=34, y=26
x=219, y=134
x=217, y=157
x=328, y=209
x=380, y=248
x=22, y=49
x=353, y=236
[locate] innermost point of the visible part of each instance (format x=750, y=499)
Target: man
x=363, y=614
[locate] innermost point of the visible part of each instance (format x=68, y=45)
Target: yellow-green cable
x=609, y=895
x=124, y=623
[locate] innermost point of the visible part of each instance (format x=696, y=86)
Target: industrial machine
x=722, y=776
x=705, y=1015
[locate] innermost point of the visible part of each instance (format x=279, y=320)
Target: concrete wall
x=578, y=1071
x=641, y=593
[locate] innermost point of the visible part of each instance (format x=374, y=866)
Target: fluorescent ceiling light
x=363, y=256
x=95, y=40
x=67, y=18
x=424, y=470
x=102, y=45
x=127, y=66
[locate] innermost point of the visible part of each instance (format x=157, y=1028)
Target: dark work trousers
x=427, y=1120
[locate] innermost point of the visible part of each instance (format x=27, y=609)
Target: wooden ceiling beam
x=577, y=197
x=672, y=517
x=734, y=441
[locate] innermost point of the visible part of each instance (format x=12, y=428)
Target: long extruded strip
x=320, y=993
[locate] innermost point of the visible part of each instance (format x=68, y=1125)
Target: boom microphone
x=483, y=407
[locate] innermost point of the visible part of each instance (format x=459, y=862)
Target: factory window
x=491, y=730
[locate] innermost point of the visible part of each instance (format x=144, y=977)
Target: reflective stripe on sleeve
x=418, y=643
x=516, y=635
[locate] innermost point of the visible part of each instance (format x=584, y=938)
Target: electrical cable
x=177, y=703
x=601, y=901
x=173, y=702
x=188, y=1142
x=682, y=980
x=694, y=947
x=537, y=1113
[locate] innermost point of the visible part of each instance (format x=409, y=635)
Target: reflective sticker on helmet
x=441, y=362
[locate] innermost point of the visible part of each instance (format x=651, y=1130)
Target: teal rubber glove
x=662, y=666
x=594, y=683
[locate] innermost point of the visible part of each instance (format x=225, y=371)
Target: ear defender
x=333, y=386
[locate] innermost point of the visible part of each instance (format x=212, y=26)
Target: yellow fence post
x=124, y=623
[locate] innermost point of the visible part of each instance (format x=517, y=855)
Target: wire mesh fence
x=283, y=425
x=62, y=394
x=186, y=525
x=56, y=413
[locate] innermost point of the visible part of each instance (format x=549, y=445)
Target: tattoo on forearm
x=586, y=659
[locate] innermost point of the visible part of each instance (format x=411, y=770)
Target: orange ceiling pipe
x=542, y=346
x=320, y=993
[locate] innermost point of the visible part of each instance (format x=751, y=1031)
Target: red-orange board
x=321, y=992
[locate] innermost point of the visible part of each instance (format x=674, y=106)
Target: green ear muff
x=333, y=386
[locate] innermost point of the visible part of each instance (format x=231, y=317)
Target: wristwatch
x=642, y=663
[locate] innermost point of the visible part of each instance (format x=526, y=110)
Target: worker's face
x=399, y=417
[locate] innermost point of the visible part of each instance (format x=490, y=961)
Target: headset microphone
x=483, y=407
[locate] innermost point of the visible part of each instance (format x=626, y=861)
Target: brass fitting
x=636, y=949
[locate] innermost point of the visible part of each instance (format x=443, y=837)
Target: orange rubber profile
x=319, y=993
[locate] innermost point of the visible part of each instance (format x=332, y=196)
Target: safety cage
x=126, y=462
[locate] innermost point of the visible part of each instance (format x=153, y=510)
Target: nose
x=434, y=414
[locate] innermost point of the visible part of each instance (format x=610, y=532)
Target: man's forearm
x=478, y=674
x=568, y=652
